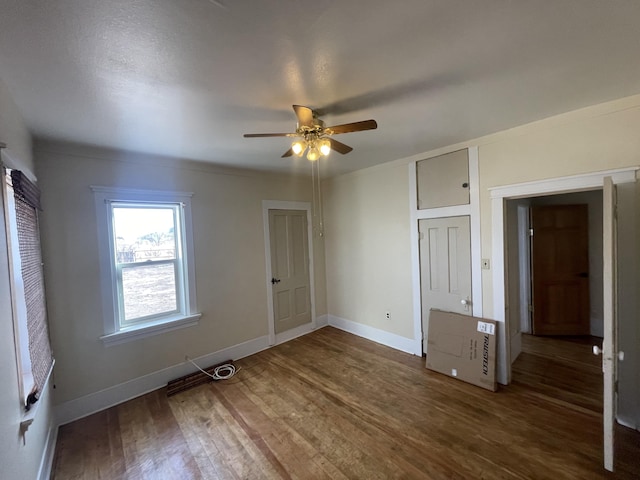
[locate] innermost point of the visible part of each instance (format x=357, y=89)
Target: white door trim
x=473, y=211
x=524, y=260
x=284, y=205
x=609, y=342
x=589, y=181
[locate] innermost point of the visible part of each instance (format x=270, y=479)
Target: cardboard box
x=462, y=347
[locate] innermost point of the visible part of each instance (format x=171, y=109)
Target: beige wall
x=367, y=212
x=596, y=138
x=229, y=252
x=18, y=460
x=368, y=255
x=14, y=133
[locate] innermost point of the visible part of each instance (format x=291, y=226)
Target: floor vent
x=193, y=379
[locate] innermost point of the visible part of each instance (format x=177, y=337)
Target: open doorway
x=621, y=237
x=562, y=367
x=564, y=258
x=555, y=295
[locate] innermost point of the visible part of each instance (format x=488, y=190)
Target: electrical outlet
x=387, y=314
x=486, y=264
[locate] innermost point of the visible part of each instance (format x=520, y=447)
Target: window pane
x=148, y=290
x=144, y=233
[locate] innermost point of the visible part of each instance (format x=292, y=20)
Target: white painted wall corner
x=322, y=321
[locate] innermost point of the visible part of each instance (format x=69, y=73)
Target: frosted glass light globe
x=325, y=146
x=298, y=147
x=313, y=154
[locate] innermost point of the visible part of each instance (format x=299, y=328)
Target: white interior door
x=445, y=267
x=289, y=269
x=609, y=344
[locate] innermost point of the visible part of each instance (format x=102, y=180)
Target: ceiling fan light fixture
x=313, y=154
x=313, y=137
x=298, y=147
x=325, y=146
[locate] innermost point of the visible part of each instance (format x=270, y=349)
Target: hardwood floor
x=331, y=405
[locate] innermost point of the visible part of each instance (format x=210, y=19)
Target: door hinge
x=531, y=232
x=421, y=235
x=531, y=308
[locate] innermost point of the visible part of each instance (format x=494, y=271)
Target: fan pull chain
x=321, y=218
x=314, y=204
x=316, y=198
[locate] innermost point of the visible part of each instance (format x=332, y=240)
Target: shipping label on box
x=463, y=347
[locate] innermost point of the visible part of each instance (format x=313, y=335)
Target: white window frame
x=116, y=329
x=16, y=289
x=18, y=305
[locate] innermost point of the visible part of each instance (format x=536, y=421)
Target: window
x=146, y=258
x=21, y=201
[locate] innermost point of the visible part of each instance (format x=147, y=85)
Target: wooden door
x=289, y=269
x=560, y=270
x=445, y=267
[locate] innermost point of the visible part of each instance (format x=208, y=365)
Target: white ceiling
x=186, y=78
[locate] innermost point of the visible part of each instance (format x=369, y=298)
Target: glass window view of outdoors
x=147, y=251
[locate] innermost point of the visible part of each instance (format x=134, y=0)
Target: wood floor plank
x=142, y=430
x=331, y=405
x=284, y=443
x=195, y=417
x=105, y=458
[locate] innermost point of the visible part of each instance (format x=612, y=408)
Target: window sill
x=30, y=415
x=136, y=333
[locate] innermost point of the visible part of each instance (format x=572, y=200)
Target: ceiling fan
x=312, y=136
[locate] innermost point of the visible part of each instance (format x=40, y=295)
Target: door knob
x=274, y=281
x=599, y=351
x=466, y=302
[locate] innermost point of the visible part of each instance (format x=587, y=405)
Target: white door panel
x=289, y=269
x=445, y=267
x=609, y=344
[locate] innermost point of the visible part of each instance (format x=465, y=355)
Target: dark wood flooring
x=331, y=405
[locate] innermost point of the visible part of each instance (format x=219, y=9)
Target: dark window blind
x=25, y=189
x=27, y=199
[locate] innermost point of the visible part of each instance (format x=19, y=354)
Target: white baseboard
x=322, y=321
x=376, y=335
x=629, y=423
x=81, y=407
x=296, y=332
x=46, y=464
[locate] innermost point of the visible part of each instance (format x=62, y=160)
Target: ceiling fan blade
x=355, y=126
x=258, y=135
x=339, y=146
x=305, y=116
x=288, y=153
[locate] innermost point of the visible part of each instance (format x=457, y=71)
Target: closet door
x=443, y=181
